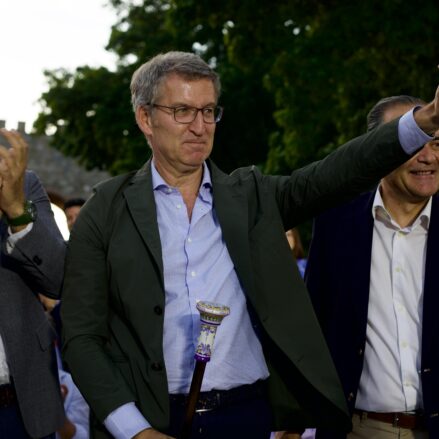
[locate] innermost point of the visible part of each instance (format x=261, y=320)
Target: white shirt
x=390, y=381
x=4, y=370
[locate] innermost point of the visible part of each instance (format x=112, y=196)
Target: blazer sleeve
x=39, y=255
x=86, y=312
x=351, y=169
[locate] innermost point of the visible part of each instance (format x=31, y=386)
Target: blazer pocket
x=46, y=335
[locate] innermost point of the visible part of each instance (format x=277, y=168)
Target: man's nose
x=198, y=125
x=427, y=154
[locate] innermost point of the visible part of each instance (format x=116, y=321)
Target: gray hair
x=376, y=114
x=149, y=76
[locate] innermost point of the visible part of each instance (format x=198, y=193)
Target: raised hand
x=427, y=117
x=13, y=163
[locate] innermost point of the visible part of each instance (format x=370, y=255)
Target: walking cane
x=211, y=316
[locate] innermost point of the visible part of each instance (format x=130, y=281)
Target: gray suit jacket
x=113, y=321
x=34, y=266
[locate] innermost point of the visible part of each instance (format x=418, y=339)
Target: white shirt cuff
x=410, y=135
x=126, y=421
x=14, y=237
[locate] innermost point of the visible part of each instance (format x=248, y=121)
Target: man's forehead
x=179, y=84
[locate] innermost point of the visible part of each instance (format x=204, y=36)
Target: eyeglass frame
x=174, y=109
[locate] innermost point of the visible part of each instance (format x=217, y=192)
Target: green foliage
x=90, y=107
x=346, y=56
x=298, y=76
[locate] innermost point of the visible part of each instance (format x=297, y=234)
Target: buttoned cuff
x=14, y=237
x=410, y=135
x=126, y=421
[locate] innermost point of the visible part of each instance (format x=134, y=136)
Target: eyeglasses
x=184, y=114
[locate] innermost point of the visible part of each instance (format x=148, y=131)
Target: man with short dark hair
x=71, y=208
x=148, y=245
x=372, y=276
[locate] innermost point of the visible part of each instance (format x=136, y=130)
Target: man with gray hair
x=147, y=246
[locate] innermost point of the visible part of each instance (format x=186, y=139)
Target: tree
x=347, y=56
x=298, y=76
x=91, y=113
x=90, y=107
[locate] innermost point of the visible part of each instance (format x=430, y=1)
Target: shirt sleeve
x=14, y=237
x=410, y=135
x=126, y=421
x=77, y=410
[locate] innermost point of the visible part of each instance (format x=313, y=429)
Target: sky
x=38, y=35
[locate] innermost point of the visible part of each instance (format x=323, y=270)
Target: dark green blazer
x=113, y=298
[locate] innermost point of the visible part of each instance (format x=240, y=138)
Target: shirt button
x=193, y=274
x=404, y=344
x=178, y=206
x=168, y=190
x=158, y=310
x=397, y=269
x=360, y=351
x=189, y=240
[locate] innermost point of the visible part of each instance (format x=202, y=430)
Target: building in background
x=56, y=171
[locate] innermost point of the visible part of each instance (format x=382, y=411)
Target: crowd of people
x=356, y=354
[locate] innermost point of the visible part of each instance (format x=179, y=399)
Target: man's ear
x=143, y=119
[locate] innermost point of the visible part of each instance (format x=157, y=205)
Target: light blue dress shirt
x=197, y=266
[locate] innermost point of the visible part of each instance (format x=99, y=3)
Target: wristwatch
x=28, y=216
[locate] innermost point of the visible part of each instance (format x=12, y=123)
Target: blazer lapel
x=430, y=322
x=359, y=270
x=231, y=208
x=141, y=205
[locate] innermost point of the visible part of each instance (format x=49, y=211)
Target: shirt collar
x=380, y=213
x=159, y=184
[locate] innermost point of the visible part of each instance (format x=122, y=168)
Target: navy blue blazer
x=337, y=278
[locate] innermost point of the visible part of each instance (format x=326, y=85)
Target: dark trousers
x=11, y=424
x=246, y=419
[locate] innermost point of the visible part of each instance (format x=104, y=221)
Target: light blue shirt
x=197, y=266
x=77, y=410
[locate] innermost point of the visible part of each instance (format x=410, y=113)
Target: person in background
x=76, y=422
x=71, y=208
x=57, y=205
x=149, y=244
x=293, y=237
x=372, y=276
x=31, y=262
x=65, y=213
